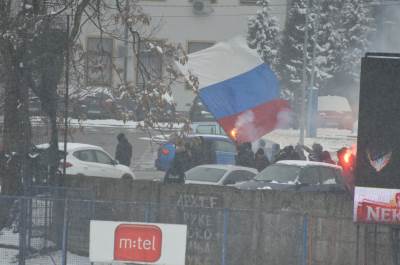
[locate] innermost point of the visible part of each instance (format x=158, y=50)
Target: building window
x=99, y=61
x=248, y=2
x=195, y=46
x=151, y=62
x=211, y=1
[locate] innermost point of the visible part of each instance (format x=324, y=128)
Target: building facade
x=195, y=24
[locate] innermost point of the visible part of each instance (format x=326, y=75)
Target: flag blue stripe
x=241, y=92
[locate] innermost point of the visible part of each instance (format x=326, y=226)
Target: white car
x=219, y=174
x=297, y=175
x=91, y=161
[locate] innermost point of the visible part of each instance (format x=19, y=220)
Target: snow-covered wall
x=238, y=227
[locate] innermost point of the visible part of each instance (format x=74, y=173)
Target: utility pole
x=304, y=86
x=66, y=97
x=126, y=48
x=315, y=37
x=313, y=92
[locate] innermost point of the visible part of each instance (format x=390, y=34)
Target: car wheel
x=127, y=177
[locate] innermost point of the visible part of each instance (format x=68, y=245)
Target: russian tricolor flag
x=238, y=88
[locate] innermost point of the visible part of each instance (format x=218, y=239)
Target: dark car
x=98, y=106
x=199, y=113
x=297, y=176
x=221, y=149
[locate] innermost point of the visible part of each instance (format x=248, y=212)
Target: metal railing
x=43, y=229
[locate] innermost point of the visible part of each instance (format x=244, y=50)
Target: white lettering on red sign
x=137, y=243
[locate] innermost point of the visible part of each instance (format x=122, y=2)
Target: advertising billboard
x=142, y=243
x=378, y=147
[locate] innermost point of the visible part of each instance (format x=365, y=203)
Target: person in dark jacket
x=261, y=160
x=245, y=156
x=276, y=148
x=197, y=152
x=124, y=150
x=326, y=158
x=299, y=150
x=347, y=160
x=288, y=153
x=315, y=152
x=180, y=163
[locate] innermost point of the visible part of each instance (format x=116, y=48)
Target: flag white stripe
x=220, y=62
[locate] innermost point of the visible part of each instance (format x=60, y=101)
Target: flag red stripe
x=254, y=123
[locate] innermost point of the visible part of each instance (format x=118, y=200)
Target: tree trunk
x=17, y=128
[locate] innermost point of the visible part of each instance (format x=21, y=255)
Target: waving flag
x=238, y=88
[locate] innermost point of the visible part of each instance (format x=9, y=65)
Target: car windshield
x=205, y=174
x=279, y=173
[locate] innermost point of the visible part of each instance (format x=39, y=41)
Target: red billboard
x=137, y=243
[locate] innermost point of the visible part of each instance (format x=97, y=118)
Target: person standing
x=180, y=163
x=123, y=154
x=276, y=149
x=245, y=156
x=315, y=152
x=326, y=158
x=261, y=160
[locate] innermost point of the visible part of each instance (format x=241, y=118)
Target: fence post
x=147, y=212
x=22, y=232
x=225, y=236
x=29, y=222
x=358, y=245
x=65, y=235
x=45, y=222
x=375, y=242
x=305, y=240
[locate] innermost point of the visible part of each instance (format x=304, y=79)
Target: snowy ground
x=9, y=257
x=106, y=123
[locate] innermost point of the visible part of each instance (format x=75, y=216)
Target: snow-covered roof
x=91, y=92
x=303, y=163
x=209, y=136
x=70, y=146
x=333, y=103
x=229, y=167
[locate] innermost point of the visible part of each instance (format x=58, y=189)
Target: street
x=144, y=150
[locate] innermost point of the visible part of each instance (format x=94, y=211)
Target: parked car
x=298, y=176
x=219, y=174
x=222, y=149
x=91, y=161
x=96, y=106
x=334, y=112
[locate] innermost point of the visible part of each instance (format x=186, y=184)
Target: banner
x=375, y=205
x=378, y=145
x=142, y=243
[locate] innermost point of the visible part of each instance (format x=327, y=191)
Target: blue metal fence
x=56, y=231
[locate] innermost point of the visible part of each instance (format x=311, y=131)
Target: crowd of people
x=189, y=154
x=260, y=159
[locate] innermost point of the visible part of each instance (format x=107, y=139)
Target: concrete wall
x=228, y=226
